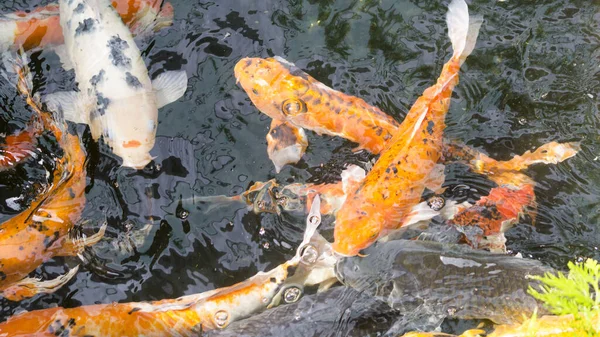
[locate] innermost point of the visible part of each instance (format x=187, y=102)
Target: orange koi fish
x=40, y=28
x=384, y=199
x=42, y=231
x=187, y=315
x=484, y=223
x=287, y=94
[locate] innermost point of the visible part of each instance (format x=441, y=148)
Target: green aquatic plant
x=576, y=294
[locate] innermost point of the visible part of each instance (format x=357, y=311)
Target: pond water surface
x=534, y=77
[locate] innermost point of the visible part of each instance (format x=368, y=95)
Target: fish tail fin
x=462, y=29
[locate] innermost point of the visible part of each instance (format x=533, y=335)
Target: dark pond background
x=533, y=78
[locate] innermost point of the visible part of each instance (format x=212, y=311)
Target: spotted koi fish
x=297, y=101
x=384, y=199
x=112, y=78
x=189, y=315
x=43, y=231
x=40, y=28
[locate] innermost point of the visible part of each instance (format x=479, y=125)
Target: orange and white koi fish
x=384, y=199
x=40, y=28
x=484, y=223
x=293, y=98
x=187, y=315
x=43, y=230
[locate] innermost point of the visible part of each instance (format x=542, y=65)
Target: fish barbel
x=116, y=97
x=43, y=230
x=383, y=201
x=40, y=28
x=216, y=309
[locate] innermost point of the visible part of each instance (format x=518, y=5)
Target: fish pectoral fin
x=169, y=87
x=63, y=55
x=70, y=104
x=30, y=286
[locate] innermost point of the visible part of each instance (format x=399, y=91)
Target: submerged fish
x=40, y=28
x=432, y=281
x=116, y=97
x=20, y=146
x=384, y=199
x=43, y=231
x=312, y=265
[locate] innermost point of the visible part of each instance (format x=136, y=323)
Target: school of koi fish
x=386, y=257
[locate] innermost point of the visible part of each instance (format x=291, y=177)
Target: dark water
x=533, y=78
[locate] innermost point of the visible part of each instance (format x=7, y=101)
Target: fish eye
x=293, y=106
x=254, y=91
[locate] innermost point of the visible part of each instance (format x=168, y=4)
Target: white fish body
x=116, y=96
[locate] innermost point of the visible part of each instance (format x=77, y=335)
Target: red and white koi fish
x=40, y=28
x=116, y=97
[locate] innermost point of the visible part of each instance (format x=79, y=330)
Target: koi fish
x=41, y=28
x=484, y=223
x=187, y=315
x=384, y=199
x=270, y=197
x=545, y=326
x=43, y=231
x=112, y=79
x=341, y=311
x=430, y=281
x=296, y=101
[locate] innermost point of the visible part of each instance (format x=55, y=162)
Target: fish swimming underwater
x=44, y=230
x=384, y=199
x=432, y=281
x=116, y=97
x=40, y=28
x=297, y=101
x=215, y=309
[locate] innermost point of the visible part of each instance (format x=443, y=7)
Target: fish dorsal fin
x=169, y=87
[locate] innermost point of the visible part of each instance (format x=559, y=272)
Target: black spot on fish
x=85, y=27
x=117, y=45
x=2, y=276
x=132, y=80
x=71, y=193
x=48, y=241
x=430, y=125
x=134, y=310
x=79, y=8
x=101, y=104
x=97, y=78
x=291, y=270
x=273, y=280
x=248, y=62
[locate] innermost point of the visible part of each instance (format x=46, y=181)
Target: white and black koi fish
x=116, y=97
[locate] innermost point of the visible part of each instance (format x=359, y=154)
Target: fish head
x=134, y=152
x=356, y=230
x=274, y=85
